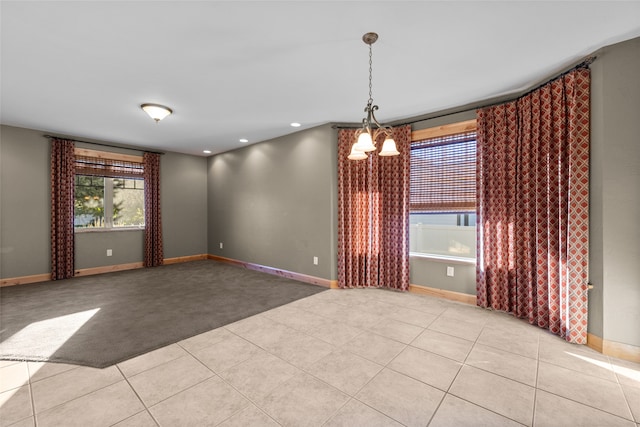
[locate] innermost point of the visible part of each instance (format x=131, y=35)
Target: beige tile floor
x=340, y=358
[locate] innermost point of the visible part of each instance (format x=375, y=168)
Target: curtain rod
x=585, y=63
x=103, y=145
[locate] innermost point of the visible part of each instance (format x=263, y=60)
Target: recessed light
x=295, y=125
x=206, y=151
x=243, y=140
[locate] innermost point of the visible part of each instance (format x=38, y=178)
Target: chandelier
x=367, y=136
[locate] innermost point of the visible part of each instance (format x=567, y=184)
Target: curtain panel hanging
x=62, y=198
x=153, y=248
x=532, y=213
x=373, y=215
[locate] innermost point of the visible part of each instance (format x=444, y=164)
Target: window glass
x=128, y=202
x=102, y=202
x=449, y=235
x=89, y=202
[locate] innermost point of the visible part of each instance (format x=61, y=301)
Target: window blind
x=112, y=168
x=443, y=174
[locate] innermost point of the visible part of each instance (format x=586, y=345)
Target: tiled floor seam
x=499, y=375
x=463, y=364
x=151, y=367
x=590, y=406
x=58, y=373
x=216, y=343
x=614, y=381
x=479, y=406
x=336, y=411
x=249, y=399
x=75, y=398
x=134, y=415
x=138, y=396
x=535, y=388
x=31, y=398
x=238, y=411
x=626, y=399
x=377, y=410
x=446, y=393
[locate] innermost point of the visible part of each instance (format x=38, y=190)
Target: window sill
x=106, y=230
x=443, y=258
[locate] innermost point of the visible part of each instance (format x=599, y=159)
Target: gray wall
x=183, y=197
x=25, y=206
x=614, y=270
x=24, y=203
x=91, y=248
x=274, y=203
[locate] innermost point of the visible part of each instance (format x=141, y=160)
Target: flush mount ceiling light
x=156, y=111
x=367, y=136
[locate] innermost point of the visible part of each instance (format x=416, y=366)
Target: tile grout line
x=579, y=402
x=463, y=364
x=535, y=388
x=588, y=406
x=251, y=401
x=138, y=396
x=180, y=391
x=633, y=416
x=77, y=397
x=33, y=403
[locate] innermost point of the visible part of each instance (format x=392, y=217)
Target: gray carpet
x=104, y=319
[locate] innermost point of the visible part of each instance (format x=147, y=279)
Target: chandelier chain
x=370, y=71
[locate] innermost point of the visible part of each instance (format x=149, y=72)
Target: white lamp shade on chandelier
x=365, y=143
x=356, y=154
x=389, y=148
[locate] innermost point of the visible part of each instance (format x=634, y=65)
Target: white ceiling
x=246, y=69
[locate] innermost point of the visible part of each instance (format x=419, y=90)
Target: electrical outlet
x=109, y=252
x=220, y=245
x=315, y=260
x=450, y=271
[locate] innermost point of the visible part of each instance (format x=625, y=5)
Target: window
x=102, y=202
x=109, y=192
x=443, y=196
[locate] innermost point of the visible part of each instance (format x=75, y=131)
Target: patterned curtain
x=373, y=215
x=62, y=193
x=533, y=189
x=153, y=251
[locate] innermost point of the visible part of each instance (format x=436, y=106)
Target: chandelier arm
x=387, y=130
